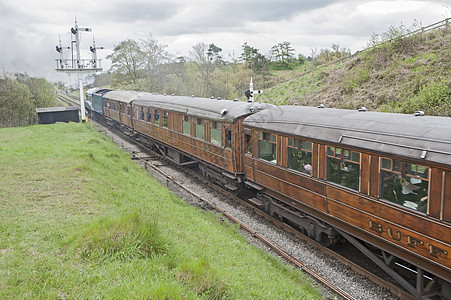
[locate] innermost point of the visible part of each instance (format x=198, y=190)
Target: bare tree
x=201, y=59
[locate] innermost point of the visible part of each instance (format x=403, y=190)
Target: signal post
x=77, y=65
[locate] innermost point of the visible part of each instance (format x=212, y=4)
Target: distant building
x=50, y=115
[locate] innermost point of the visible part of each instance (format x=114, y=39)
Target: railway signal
x=250, y=92
x=77, y=65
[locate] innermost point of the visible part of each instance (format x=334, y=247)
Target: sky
x=30, y=29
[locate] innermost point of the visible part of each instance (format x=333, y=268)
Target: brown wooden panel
x=447, y=198
x=302, y=180
x=364, y=173
x=435, y=193
x=389, y=211
x=411, y=241
x=322, y=166
x=249, y=173
x=374, y=176
x=270, y=180
x=315, y=160
x=239, y=148
x=210, y=153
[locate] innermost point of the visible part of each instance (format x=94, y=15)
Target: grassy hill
x=80, y=220
x=402, y=75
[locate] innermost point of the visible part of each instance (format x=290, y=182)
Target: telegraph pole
x=80, y=67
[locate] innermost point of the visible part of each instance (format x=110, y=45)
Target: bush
x=431, y=95
x=124, y=238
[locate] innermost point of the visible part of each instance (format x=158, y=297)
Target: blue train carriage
x=383, y=178
x=88, y=99
x=202, y=131
x=94, y=101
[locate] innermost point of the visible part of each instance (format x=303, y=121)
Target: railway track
x=69, y=99
x=156, y=162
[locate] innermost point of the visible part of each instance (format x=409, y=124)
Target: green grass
x=79, y=219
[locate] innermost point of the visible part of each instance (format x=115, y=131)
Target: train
x=381, y=181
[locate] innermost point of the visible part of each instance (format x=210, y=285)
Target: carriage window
x=405, y=183
x=128, y=111
x=228, y=138
x=142, y=113
x=200, y=130
x=186, y=125
x=300, y=156
x=137, y=113
x=165, y=119
x=156, y=119
x=248, y=141
x=215, y=133
x=149, y=115
x=267, y=146
x=343, y=167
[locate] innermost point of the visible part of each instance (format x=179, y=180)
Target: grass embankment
x=79, y=219
x=402, y=76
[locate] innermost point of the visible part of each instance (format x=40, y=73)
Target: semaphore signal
x=77, y=65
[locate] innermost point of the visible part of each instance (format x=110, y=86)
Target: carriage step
x=256, y=202
x=231, y=187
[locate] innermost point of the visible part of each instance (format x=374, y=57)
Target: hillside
x=403, y=75
x=81, y=220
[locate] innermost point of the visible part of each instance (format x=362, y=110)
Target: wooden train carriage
x=383, y=178
x=190, y=130
x=117, y=106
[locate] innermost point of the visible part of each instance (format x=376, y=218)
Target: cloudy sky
x=29, y=29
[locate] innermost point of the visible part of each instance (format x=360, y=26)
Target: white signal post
x=251, y=91
x=78, y=66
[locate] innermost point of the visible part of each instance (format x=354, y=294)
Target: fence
x=444, y=23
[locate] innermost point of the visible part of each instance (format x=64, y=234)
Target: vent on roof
x=212, y=97
x=363, y=108
x=192, y=96
x=235, y=100
x=224, y=111
x=219, y=98
x=419, y=113
x=321, y=106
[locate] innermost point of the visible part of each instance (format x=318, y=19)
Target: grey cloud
x=134, y=11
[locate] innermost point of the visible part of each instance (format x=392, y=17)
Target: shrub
x=125, y=238
x=431, y=95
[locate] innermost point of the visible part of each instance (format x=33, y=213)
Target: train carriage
x=190, y=130
x=95, y=97
x=117, y=106
x=383, y=178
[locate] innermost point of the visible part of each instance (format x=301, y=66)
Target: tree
x=202, y=61
x=157, y=64
x=213, y=54
x=128, y=59
x=16, y=103
x=257, y=62
x=283, y=52
x=155, y=52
